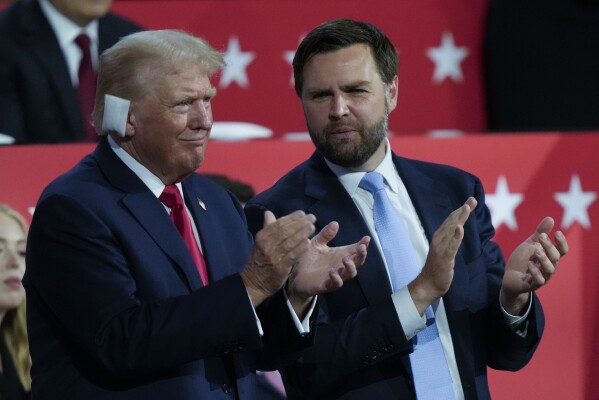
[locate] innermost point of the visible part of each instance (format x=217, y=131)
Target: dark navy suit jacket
x=116, y=308
x=361, y=350
x=38, y=103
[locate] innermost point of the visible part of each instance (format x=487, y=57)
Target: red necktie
x=171, y=197
x=87, y=85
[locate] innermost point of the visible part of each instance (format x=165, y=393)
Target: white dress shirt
x=66, y=31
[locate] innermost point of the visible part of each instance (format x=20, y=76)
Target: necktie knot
x=83, y=41
x=373, y=182
x=171, y=197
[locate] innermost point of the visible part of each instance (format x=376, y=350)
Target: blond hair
x=14, y=324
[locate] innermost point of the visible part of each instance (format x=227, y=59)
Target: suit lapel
x=149, y=213
x=202, y=204
x=333, y=203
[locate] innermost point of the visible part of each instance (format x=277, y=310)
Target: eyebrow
x=347, y=86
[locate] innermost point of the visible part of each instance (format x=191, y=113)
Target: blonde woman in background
x=15, y=382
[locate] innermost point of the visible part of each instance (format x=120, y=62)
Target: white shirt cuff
x=409, y=317
x=518, y=323
x=303, y=327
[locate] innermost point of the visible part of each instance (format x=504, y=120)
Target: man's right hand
x=436, y=275
x=278, y=246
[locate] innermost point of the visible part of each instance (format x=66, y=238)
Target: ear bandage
x=116, y=111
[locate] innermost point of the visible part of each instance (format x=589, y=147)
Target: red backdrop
x=259, y=89
x=535, y=167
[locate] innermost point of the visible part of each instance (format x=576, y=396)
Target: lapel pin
x=201, y=203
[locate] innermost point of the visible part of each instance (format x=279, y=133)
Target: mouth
x=196, y=141
x=343, y=133
x=13, y=283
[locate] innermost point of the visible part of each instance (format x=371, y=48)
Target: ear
x=393, y=94
x=131, y=126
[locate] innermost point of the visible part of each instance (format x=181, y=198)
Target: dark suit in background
x=38, y=103
x=361, y=349
x=541, y=60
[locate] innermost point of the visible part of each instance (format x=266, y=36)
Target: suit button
x=227, y=388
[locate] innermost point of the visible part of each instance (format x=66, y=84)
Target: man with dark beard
x=436, y=303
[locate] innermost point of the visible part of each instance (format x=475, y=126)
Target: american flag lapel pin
x=201, y=203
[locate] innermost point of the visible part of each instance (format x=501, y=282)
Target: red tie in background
x=86, y=90
x=171, y=197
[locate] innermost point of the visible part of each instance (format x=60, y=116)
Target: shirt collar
x=350, y=179
x=66, y=30
x=148, y=178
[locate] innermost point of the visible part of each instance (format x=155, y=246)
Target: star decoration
x=288, y=56
x=575, y=203
x=237, y=62
x=503, y=205
x=447, y=58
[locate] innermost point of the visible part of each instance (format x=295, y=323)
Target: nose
x=12, y=258
x=200, y=117
x=338, y=107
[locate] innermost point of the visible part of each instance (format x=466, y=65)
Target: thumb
x=269, y=218
x=327, y=234
x=545, y=226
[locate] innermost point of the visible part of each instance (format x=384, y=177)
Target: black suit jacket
x=116, y=308
x=361, y=351
x=38, y=103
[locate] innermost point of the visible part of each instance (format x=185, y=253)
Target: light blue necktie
x=431, y=373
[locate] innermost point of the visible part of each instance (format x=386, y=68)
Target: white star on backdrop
x=575, y=203
x=447, y=58
x=288, y=56
x=503, y=205
x=237, y=63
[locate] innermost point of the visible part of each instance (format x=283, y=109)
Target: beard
x=351, y=153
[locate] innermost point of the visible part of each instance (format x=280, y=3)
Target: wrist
x=300, y=302
x=514, y=304
x=422, y=296
x=255, y=291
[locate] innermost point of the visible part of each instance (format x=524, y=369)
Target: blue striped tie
x=429, y=367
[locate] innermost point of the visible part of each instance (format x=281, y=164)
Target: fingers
x=455, y=240
x=350, y=268
x=334, y=282
x=551, y=252
x=471, y=203
x=542, y=268
x=361, y=251
x=460, y=215
x=286, y=233
x=561, y=243
x=452, y=230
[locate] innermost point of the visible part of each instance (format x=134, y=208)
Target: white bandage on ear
x=115, y=114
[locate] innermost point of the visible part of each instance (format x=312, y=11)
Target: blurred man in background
x=48, y=60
